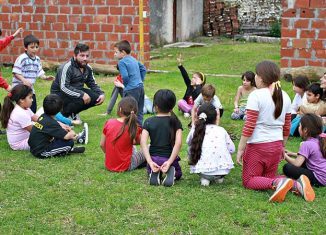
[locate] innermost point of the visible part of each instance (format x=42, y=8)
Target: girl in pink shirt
x=17, y=117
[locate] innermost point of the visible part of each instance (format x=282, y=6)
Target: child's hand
x=154, y=167
x=117, y=83
x=20, y=30
x=239, y=157
x=236, y=110
x=27, y=83
x=165, y=166
x=180, y=59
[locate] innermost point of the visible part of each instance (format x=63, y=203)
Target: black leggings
x=295, y=172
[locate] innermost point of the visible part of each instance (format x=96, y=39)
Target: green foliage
x=77, y=195
x=275, y=30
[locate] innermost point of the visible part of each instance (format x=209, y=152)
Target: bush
x=275, y=30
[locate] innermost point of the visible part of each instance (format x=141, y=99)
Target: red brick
x=48, y=53
x=307, y=13
x=87, y=2
x=101, y=45
x=100, y=36
x=39, y=2
x=129, y=11
x=88, y=36
x=304, y=53
x=321, y=54
x=65, y=10
x=60, y=52
x=322, y=34
x=128, y=37
x=322, y=13
x=301, y=23
x=299, y=43
x=298, y=63
x=50, y=18
x=289, y=33
x=115, y=10
x=319, y=24
x=57, y=26
x=94, y=28
x=113, y=37
x=39, y=10
x=53, y=9
x=28, y=9
x=113, y=2
x=4, y=17
x=62, y=18
x=133, y=29
x=99, y=19
x=317, y=3
x=34, y=26
x=89, y=10
x=285, y=23
x=74, y=19
x=26, y=18
x=77, y=10
x=38, y=18
x=317, y=44
x=307, y=34
x=63, y=35
x=317, y=63
x=50, y=35
x=120, y=29
x=63, y=44
x=39, y=34
x=301, y=4
x=46, y=26
x=289, y=13
x=13, y=1
x=126, y=2
x=97, y=54
x=17, y=9
x=126, y=20
x=284, y=42
x=287, y=52
x=99, y=2
x=81, y=27
x=69, y=27
x=74, y=2
x=113, y=20
x=74, y=36
x=87, y=19
x=103, y=10
x=106, y=27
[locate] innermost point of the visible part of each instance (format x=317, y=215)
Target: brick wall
x=303, y=41
x=61, y=24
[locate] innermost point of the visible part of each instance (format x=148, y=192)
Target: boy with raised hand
x=28, y=67
x=133, y=74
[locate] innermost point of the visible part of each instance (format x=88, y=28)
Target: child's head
x=198, y=78
x=208, y=92
x=52, y=104
x=31, y=44
x=314, y=93
x=206, y=115
x=121, y=49
x=300, y=84
x=164, y=100
x=81, y=54
x=268, y=75
x=128, y=108
x=248, y=79
x=311, y=125
x=21, y=95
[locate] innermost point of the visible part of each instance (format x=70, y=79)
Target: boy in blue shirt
x=133, y=74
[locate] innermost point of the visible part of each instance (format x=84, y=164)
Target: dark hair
x=316, y=89
x=164, y=101
x=201, y=76
x=314, y=127
x=250, y=76
x=301, y=82
x=0, y=32
x=80, y=47
x=128, y=107
x=17, y=93
x=199, y=133
x=123, y=45
x=52, y=104
x=269, y=73
x=29, y=39
x=208, y=90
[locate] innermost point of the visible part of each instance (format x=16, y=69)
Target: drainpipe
x=141, y=31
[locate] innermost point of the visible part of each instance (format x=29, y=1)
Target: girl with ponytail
x=119, y=137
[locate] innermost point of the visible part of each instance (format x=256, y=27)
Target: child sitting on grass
x=240, y=100
x=193, y=90
x=48, y=138
x=300, y=85
x=210, y=147
x=165, y=133
x=119, y=137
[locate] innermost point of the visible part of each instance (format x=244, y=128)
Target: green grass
x=77, y=195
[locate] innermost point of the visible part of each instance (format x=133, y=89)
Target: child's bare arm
x=298, y=161
x=23, y=80
x=236, y=99
x=144, y=147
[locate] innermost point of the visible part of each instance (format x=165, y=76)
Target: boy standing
x=28, y=67
x=48, y=138
x=133, y=75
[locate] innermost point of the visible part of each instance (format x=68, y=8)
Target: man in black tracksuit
x=70, y=80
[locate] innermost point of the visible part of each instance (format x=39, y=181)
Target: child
x=207, y=96
x=240, y=100
x=28, y=67
x=165, y=133
x=300, y=85
x=193, y=90
x=119, y=137
x=310, y=161
x=133, y=75
x=210, y=147
x=265, y=132
x=48, y=138
x=60, y=118
x=17, y=117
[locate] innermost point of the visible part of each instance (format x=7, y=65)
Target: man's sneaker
x=282, y=187
x=168, y=181
x=82, y=137
x=154, y=178
x=306, y=191
x=77, y=149
x=204, y=182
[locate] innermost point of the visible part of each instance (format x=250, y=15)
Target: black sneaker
x=77, y=149
x=82, y=137
x=168, y=181
x=155, y=178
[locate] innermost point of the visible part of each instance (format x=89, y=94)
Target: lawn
x=77, y=195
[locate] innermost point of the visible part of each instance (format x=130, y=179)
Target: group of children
x=260, y=101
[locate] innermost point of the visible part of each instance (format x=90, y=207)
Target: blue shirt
x=132, y=72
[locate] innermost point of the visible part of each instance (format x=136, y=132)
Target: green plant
x=275, y=29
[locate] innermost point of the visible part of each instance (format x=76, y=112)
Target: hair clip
x=9, y=94
x=322, y=135
x=203, y=116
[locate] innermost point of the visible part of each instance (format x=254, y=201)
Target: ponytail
x=278, y=100
x=197, y=141
x=8, y=106
x=130, y=122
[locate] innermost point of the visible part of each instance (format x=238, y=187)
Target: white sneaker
x=219, y=181
x=204, y=182
x=186, y=115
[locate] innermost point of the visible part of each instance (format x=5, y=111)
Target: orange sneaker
x=306, y=191
x=281, y=190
